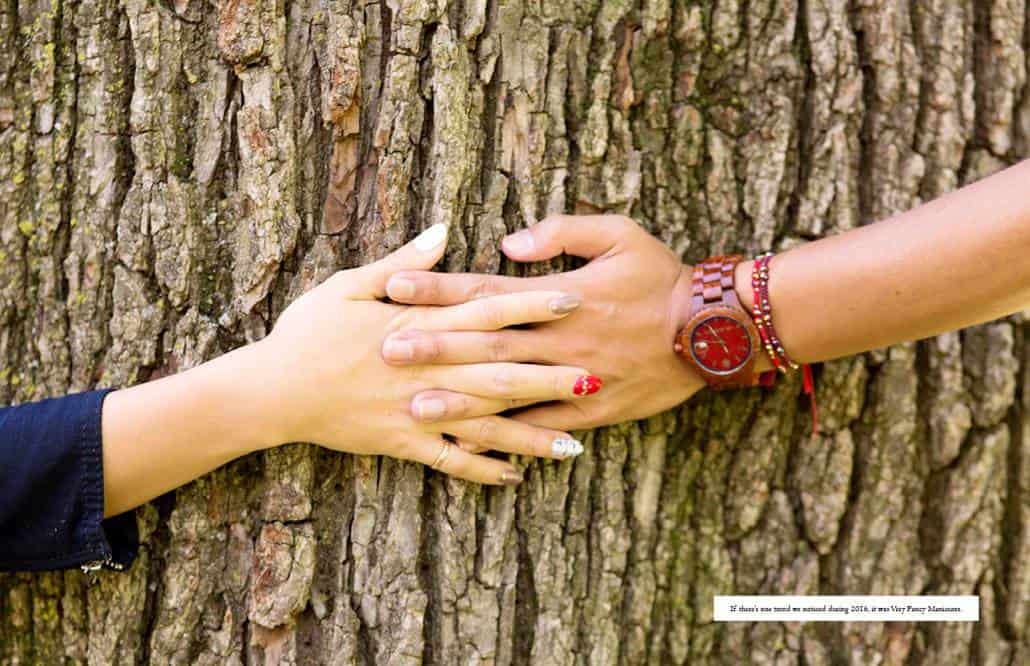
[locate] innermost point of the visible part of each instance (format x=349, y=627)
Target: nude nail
x=564, y=304
x=511, y=477
x=566, y=447
x=430, y=409
x=520, y=242
x=399, y=350
x=400, y=289
x=431, y=238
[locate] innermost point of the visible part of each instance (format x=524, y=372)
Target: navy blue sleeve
x=52, y=489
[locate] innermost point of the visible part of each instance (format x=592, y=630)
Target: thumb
x=369, y=282
x=587, y=236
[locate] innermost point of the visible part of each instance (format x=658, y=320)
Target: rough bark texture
x=163, y=168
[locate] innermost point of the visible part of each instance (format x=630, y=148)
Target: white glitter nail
x=564, y=447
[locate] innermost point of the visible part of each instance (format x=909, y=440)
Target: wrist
x=679, y=300
x=742, y=285
x=680, y=303
x=685, y=381
x=243, y=385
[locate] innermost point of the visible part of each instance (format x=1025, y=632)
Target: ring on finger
x=445, y=450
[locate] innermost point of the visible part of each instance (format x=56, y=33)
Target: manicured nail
x=396, y=349
x=564, y=304
x=511, y=477
x=520, y=242
x=400, y=289
x=586, y=385
x=566, y=447
x=430, y=409
x=431, y=238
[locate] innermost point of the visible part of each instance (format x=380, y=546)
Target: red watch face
x=720, y=344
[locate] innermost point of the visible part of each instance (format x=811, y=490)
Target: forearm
x=956, y=261
x=162, y=434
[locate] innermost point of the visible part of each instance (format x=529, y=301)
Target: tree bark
x=173, y=173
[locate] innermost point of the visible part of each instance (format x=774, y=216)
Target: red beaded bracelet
x=762, y=311
x=762, y=314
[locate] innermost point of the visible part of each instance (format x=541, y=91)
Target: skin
x=318, y=377
x=927, y=271
x=954, y=262
x=625, y=326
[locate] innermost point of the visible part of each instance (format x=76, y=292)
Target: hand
x=635, y=295
x=332, y=387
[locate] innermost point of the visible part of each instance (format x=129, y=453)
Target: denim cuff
x=52, y=504
x=112, y=542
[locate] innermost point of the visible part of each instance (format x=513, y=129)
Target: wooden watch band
x=713, y=291
x=713, y=282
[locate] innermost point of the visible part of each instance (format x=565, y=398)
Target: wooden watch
x=720, y=340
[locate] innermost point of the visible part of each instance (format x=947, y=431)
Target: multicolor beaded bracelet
x=762, y=314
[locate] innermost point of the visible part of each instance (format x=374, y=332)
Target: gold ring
x=442, y=456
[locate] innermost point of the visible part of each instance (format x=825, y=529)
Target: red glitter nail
x=586, y=385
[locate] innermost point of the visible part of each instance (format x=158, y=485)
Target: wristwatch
x=720, y=340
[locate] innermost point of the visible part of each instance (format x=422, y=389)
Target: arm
x=950, y=263
x=66, y=463
x=959, y=260
x=318, y=377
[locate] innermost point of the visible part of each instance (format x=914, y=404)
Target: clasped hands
x=490, y=362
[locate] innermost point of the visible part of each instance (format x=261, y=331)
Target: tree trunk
x=164, y=170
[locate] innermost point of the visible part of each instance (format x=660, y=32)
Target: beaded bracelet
x=762, y=314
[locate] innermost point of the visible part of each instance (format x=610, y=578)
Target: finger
x=501, y=434
x=411, y=347
x=436, y=405
x=517, y=381
x=497, y=312
x=426, y=288
x=369, y=281
x=586, y=236
x=460, y=463
x=557, y=415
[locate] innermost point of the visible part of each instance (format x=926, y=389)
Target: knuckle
x=561, y=385
x=487, y=431
x=626, y=225
x=491, y=314
x=427, y=288
x=480, y=288
x=497, y=347
x=504, y=380
x=429, y=347
x=458, y=406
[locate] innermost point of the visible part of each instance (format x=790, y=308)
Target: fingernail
x=430, y=409
x=586, y=385
x=564, y=304
x=511, y=477
x=398, y=350
x=520, y=242
x=431, y=238
x=566, y=447
x=400, y=289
